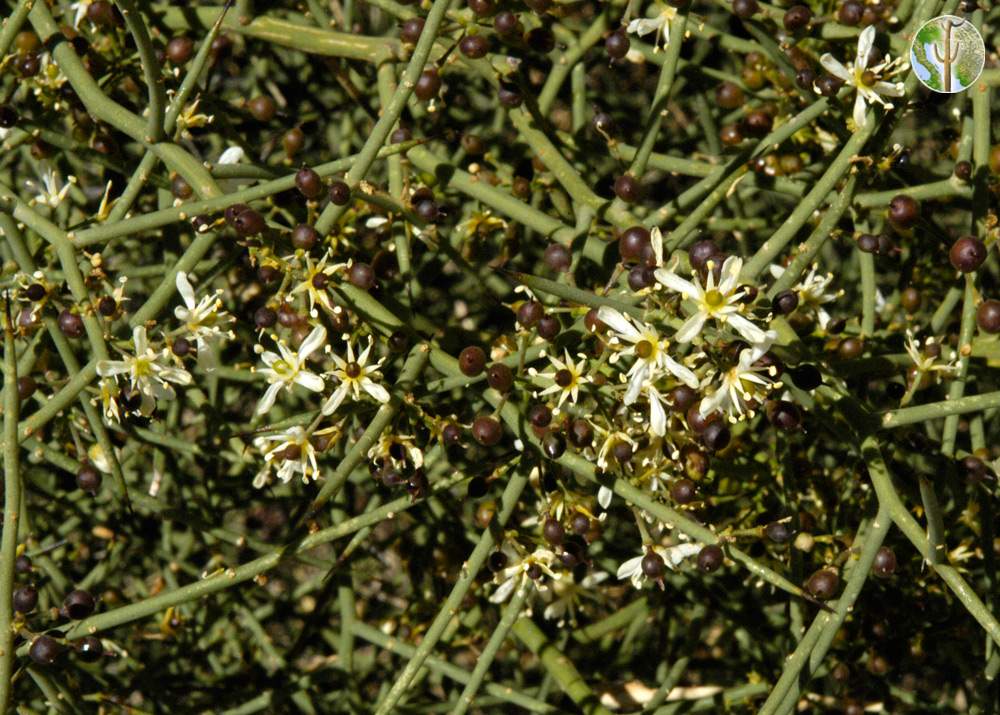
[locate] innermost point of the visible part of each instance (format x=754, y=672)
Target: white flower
x=146, y=373
x=288, y=368
x=518, y=569
x=51, y=191
x=659, y=23
x=649, y=349
x=813, y=291
x=567, y=593
x=722, y=302
x=293, y=450
x=232, y=155
x=202, y=319
x=866, y=80
x=314, y=282
x=566, y=377
x=355, y=375
x=740, y=384
x=926, y=360
x=672, y=556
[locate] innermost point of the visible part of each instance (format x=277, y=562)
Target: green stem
x=11, y=505
x=510, y=614
x=450, y=608
x=560, y=667
x=390, y=112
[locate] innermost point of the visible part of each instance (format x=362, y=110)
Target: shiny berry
x=472, y=360
x=90, y=649
x=716, y=435
x=71, y=324
x=653, y=566
x=428, y=85
x=617, y=45
x=885, y=562
x=411, y=29
x=786, y=302
x=557, y=257
x=797, y=18
x=249, y=223
x=784, y=415
x=25, y=599
x=745, y=9
x=362, y=276
x=529, y=313
x=44, y=650
x=499, y=376
x=581, y=434
x=309, y=183
x=710, y=558
x=474, y=46
x=553, y=531
x=632, y=243
x=967, y=254
x=988, y=316
x=729, y=96
x=850, y=12
x=828, y=85
x=262, y=108
x=78, y=604
x=487, y=431
x=628, y=188
x=304, y=236
x=778, y=532
x=683, y=491
x=823, y=584
x=340, y=193
x=179, y=50
x=904, y=211
x=264, y=317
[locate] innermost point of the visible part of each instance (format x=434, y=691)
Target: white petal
x=635, y=384
x=627, y=569
x=776, y=270
x=504, y=590
x=859, y=109
x=676, y=554
x=176, y=375
x=313, y=341
x=677, y=284
x=680, y=372
x=375, y=390
x=108, y=368
x=656, y=239
x=185, y=289
x=865, y=42
x=833, y=66
x=691, y=328
x=232, y=155
x=657, y=417
x=139, y=339
x=713, y=402
x=310, y=381
x=604, y=497
x=745, y=328
x=618, y=322
x=334, y=400
x=889, y=89
x=267, y=401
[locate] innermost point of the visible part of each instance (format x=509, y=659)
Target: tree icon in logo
x=947, y=54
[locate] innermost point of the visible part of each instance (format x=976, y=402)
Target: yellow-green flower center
x=714, y=299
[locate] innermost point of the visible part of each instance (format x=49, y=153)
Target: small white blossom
x=672, y=556
x=203, y=319
x=567, y=594
x=146, y=373
x=722, y=303
x=51, y=191
x=866, y=80
x=742, y=383
x=314, y=281
x=355, y=376
x=517, y=570
x=293, y=450
x=659, y=23
x=566, y=378
x=288, y=368
x=813, y=291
